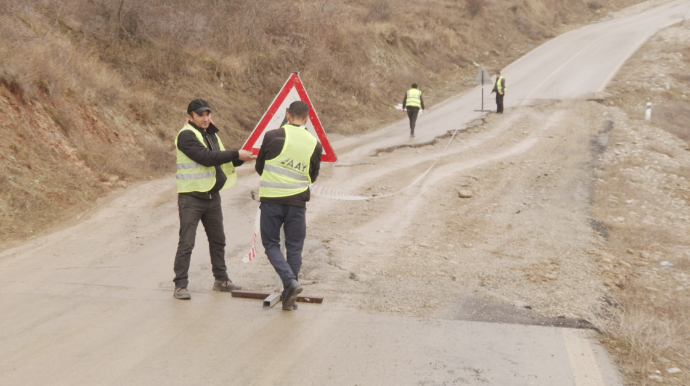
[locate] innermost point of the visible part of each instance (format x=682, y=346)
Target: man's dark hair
x=414, y=85
x=299, y=110
x=498, y=72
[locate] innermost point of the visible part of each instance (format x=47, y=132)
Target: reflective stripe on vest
x=414, y=98
x=499, y=85
x=288, y=173
x=194, y=177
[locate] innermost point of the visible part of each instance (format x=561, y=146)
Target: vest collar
x=212, y=129
x=299, y=127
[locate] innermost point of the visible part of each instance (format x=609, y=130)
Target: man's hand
x=246, y=155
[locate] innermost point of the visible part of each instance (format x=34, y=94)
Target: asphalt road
x=92, y=304
x=577, y=64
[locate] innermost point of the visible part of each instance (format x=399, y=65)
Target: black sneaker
x=291, y=292
x=225, y=286
x=182, y=293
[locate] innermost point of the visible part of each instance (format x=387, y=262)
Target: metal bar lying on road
x=271, y=300
x=264, y=295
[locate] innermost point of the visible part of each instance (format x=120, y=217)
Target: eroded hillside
x=93, y=93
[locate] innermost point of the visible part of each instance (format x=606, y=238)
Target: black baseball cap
x=198, y=106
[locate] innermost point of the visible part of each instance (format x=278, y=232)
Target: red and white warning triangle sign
x=274, y=118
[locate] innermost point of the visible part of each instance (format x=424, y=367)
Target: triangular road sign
x=293, y=90
x=483, y=77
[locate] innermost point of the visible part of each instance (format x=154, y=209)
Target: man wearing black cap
x=204, y=168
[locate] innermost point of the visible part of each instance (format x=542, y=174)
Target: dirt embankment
x=92, y=94
x=642, y=197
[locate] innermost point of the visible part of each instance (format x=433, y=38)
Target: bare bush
x=594, y=5
x=160, y=157
x=381, y=10
x=474, y=7
x=10, y=79
x=110, y=161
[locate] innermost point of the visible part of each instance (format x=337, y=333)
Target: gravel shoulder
x=523, y=239
x=642, y=197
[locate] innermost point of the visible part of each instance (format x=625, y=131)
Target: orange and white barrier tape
x=252, y=253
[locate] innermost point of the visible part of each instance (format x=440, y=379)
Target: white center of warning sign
x=275, y=117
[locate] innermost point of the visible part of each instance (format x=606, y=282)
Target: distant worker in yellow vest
x=500, y=90
x=289, y=160
x=413, y=102
x=204, y=168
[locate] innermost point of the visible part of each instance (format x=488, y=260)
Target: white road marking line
x=582, y=361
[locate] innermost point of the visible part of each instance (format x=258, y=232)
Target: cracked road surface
x=92, y=304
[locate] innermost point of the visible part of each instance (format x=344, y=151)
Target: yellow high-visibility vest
x=194, y=177
x=414, y=98
x=288, y=173
x=499, y=85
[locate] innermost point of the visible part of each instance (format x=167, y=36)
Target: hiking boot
x=182, y=293
x=291, y=292
x=294, y=306
x=225, y=286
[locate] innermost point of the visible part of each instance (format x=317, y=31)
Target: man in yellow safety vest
x=204, y=168
x=413, y=102
x=289, y=160
x=500, y=90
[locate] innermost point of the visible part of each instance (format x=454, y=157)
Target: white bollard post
x=648, y=112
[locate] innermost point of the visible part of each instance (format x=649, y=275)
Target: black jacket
x=271, y=147
x=209, y=155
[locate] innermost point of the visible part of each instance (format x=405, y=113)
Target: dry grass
x=652, y=329
x=355, y=55
x=652, y=333
x=105, y=82
x=673, y=116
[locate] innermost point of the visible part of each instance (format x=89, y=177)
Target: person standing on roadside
x=413, y=102
x=204, y=168
x=288, y=162
x=500, y=90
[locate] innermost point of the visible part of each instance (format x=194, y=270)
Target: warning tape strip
x=334, y=194
x=252, y=253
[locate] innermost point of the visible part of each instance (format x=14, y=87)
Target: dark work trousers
x=193, y=209
x=292, y=218
x=499, y=103
x=412, y=113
